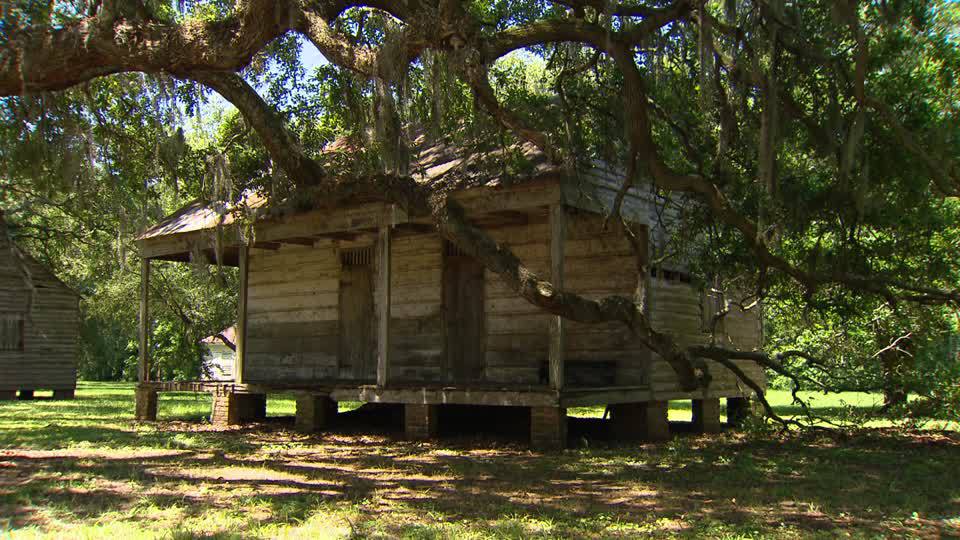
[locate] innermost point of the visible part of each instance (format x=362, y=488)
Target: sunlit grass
x=85, y=469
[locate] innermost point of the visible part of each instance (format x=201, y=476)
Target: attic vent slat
x=451, y=250
x=357, y=256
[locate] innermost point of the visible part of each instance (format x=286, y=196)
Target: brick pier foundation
x=421, y=421
x=234, y=408
x=66, y=393
x=706, y=415
x=642, y=421
x=738, y=410
x=314, y=412
x=548, y=428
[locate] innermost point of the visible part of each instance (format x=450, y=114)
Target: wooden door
x=356, y=351
x=463, y=308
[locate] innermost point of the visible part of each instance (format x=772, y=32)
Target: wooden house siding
x=294, y=327
x=676, y=307
x=293, y=309
x=320, y=313
x=417, y=347
x=50, y=330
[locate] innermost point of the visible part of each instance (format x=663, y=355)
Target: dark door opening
x=463, y=293
x=357, y=339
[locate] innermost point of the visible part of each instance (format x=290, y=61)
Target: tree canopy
x=809, y=146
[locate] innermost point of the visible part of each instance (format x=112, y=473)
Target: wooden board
x=356, y=315
x=464, y=309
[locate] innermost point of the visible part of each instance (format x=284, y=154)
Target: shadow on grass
x=480, y=478
x=875, y=483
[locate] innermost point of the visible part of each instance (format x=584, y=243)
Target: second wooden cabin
x=39, y=326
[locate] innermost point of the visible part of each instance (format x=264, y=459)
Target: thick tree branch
x=451, y=221
x=44, y=58
x=282, y=145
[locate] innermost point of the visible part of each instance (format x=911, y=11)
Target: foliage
x=93, y=169
x=806, y=151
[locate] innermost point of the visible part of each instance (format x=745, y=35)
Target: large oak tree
x=809, y=146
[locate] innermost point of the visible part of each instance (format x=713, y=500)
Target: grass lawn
x=84, y=469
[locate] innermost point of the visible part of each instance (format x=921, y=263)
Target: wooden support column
x=383, y=289
x=143, y=366
x=558, y=234
x=240, y=363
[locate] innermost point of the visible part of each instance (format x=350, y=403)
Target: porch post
x=143, y=366
x=383, y=289
x=558, y=233
x=241, y=344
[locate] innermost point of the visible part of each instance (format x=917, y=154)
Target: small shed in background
x=220, y=355
x=39, y=326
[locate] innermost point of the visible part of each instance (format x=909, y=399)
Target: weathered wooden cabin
x=39, y=327
x=365, y=303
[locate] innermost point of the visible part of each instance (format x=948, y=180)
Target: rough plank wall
x=518, y=334
x=49, y=358
x=292, y=326
x=293, y=309
x=416, y=326
x=676, y=307
x=742, y=329
x=292, y=314
x=601, y=263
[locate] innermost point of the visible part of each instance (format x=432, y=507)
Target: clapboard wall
x=599, y=262
x=293, y=308
x=50, y=319
x=677, y=306
x=292, y=314
x=293, y=327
